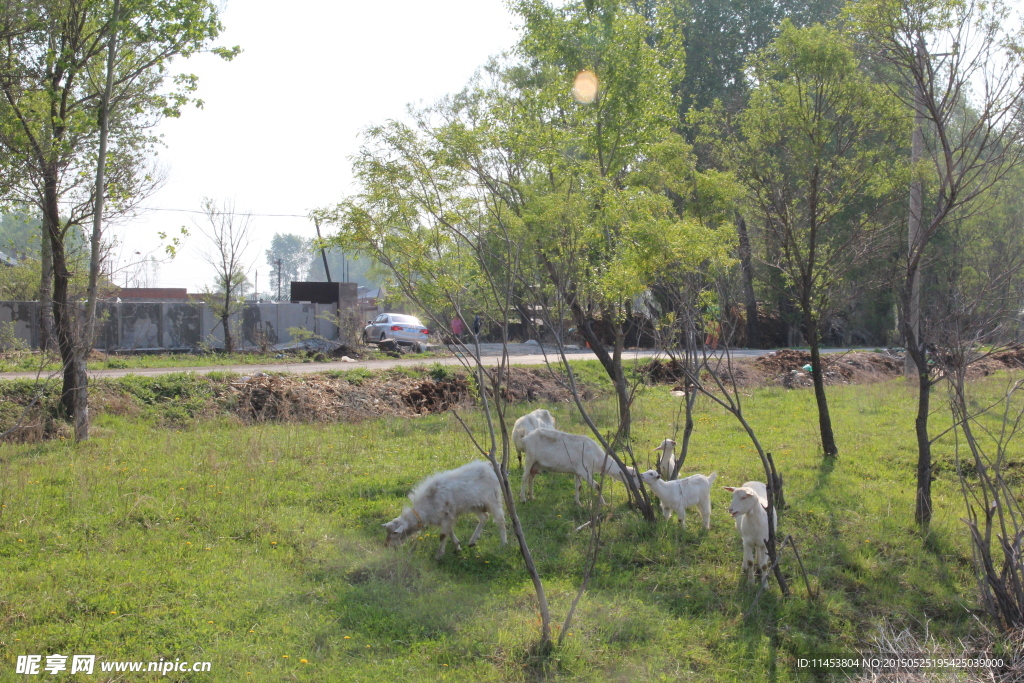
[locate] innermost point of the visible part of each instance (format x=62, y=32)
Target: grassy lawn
x=259, y=549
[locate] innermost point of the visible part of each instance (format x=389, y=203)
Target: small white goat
x=749, y=508
x=667, y=460
x=549, y=450
x=440, y=499
x=678, y=494
x=526, y=424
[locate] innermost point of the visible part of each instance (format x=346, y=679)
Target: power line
x=226, y=213
x=200, y=211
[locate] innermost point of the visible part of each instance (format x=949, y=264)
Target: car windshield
x=405, y=320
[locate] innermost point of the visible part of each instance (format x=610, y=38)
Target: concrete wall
x=24, y=317
x=157, y=325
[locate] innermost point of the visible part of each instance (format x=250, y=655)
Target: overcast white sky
x=281, y=121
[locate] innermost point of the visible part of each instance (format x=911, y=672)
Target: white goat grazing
x=526, y=424
x=441, y=498
x=678, y=494
x=667, y=460
x=749, y=508
x=549, y=450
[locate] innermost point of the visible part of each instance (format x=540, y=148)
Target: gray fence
x=153, y=326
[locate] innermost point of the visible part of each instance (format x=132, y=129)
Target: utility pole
x=323, y=254
x=278, y=264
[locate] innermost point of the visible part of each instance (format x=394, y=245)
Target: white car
x=404, y=329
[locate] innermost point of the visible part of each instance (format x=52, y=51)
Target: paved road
x=412, y=359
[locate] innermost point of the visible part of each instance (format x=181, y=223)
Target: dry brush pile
x=786, y=368
x=30, y=412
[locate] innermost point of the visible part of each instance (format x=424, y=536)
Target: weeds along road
x=490, y=355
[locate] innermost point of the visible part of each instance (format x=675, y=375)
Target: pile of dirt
x=345, y=350
x=787, y=367
x=313, y=398
x=671, y=372
x=1012, y=358
x=744, y=373
x=437, y=396
x=663, y=372
x=524, y=384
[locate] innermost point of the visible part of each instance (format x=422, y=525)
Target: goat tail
x=712, y=477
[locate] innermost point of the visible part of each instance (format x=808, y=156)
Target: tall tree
x=567, y=153
x=814, y=152
x=957, y=67
x=289, y=257
x=591, y=131
x=53, y=59
x=719, y=36
x=345, y=267
x=230, y=234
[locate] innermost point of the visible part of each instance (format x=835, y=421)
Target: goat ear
x=730, y=489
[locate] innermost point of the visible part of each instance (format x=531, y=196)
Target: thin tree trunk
x=612, y=365
x=747, y=270
x=828, y=439
x=47, y=339
x=531, y=567
x=923, y=506
x=82, y=352
x=63, y=315
x=923, y=500
x=621, y=385
x=773, y=497
x=229, y=343
x=689, y=400
x=915, y=241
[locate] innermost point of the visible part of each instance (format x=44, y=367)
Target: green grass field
x=259, y=549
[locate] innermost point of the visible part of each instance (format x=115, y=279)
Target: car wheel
x=383, y=336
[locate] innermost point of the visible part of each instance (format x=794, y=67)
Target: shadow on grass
x=825, y=472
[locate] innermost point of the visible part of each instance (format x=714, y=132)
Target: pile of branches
x=522, y=384
x=437, y=396
x=663, y=372
x=321, y=399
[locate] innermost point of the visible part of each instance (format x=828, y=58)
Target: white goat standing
x=667, y=460
x=440, y=499
x=678, y=494
x=749, y=508
x=549, y=450
x=526, y=424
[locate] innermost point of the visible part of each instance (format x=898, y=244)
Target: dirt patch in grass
x=315, y=398
x=178, y=400
x=524, y=384
x=294, y=398
x=786, y=367
x=1012, y=358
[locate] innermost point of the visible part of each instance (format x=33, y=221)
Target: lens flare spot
x=584, y=88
